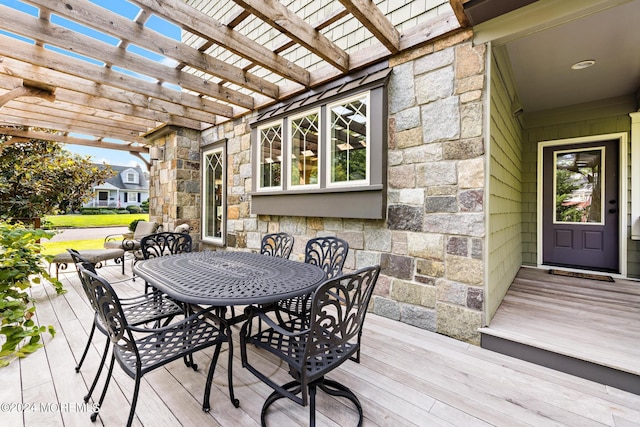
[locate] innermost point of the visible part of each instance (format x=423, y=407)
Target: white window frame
x=258, y=162
x=328, y=144
x=289, y=145
x=131, y=197
x=206, y=202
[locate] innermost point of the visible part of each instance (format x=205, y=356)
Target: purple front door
x=580, y=217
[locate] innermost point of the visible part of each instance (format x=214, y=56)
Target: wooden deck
x=586, y=327
x=407, y=377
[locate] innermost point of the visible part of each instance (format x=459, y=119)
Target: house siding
x=505, y=241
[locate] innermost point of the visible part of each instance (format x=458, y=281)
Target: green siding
x=505, y=191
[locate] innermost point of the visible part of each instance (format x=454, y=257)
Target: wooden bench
x=94, y=256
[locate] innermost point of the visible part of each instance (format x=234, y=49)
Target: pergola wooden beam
x=39, y=29
x=78, y=90
x=374, y=20
x=29, y=134
x=42, y=57
x=458, y=10
x=281, y=18
x=26, y=91
x=129, y=31
x=196, y=22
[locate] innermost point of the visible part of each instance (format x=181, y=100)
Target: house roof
x=121, y=171
x=236, y=56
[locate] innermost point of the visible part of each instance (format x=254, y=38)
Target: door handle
x=612, y=202
x=613, y=210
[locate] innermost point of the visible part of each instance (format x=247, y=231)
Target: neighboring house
x=128, y=187
x=437, y=163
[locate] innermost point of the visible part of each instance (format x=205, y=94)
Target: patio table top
x=226, y=278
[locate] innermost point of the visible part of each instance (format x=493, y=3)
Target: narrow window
x=214, y=215
x=304, y=144
x=270, y=161
x=349, y=137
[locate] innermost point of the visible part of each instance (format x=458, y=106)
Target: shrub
x=105, y=211
x=21, y=262
x=90, y=211
x=132, y=224
x=134, y=209
x=122, y=211
x=145, y=206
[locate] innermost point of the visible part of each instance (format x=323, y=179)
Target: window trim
x=218, y=146
x=362, y=182
x=258, y=162
x=364, y=200
x=289, y=145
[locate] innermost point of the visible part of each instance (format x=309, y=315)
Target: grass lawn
x=53, y=248
x=85, y=221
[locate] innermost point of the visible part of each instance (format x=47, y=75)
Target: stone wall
x=431, y=247
x=174, y=181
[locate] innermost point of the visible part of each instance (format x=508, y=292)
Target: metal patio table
x=228, y=278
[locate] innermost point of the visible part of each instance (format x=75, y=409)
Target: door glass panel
x=578, y=186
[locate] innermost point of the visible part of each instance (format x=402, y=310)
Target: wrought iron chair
x=314, y=346
x=141, y=350
x=132, y=243
x=328, y=253
x=277, y=244
x=161, y=244
x=145, y=308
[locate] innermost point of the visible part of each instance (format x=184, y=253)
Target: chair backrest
x=338, y=309
x=81, y=263
x=144, y=228
x=277, y=244
x=328, y=253
x=109, y=309
x=165, y=243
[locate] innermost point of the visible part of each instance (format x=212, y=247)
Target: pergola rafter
x=122, y=95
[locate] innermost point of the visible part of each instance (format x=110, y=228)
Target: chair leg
x=134, y=401
x=97, y=376
x=206, y=405
x=94, y=415
x=86, y=348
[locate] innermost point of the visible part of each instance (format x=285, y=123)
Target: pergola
x=219, y=71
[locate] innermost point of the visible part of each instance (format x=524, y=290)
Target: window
x=304, y=134
x=348, y=127
x=132, y=177
x=270, y=156
x=324, y=152
x=131, y=197
x=214, y=193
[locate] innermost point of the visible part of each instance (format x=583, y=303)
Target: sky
x=122, y=7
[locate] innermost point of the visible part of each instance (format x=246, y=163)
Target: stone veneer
x=431, y=245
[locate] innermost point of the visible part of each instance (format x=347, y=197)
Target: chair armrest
x=252, y=311
x=113, y=237
x=202, y=315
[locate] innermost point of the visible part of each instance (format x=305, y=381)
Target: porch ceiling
x=220, y=72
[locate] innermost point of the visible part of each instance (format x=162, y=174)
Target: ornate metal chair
x=145, y=308
x=277, y=244
x=161, y=244
x=314, y=346
x=328, y=253
x=141, y=350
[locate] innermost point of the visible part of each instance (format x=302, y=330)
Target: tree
x=40, y=178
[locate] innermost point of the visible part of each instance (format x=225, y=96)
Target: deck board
x=407, y=377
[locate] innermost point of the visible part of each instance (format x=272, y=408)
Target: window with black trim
x=324, y=155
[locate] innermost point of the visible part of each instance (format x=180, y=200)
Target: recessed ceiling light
x=583, y=64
